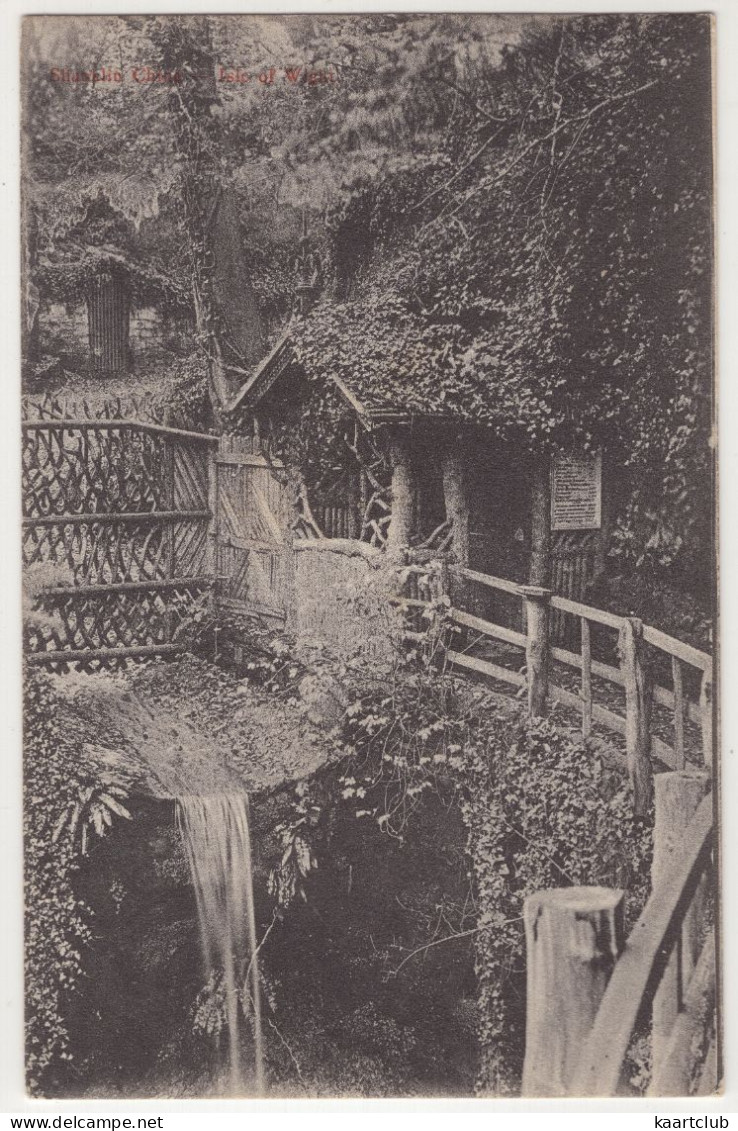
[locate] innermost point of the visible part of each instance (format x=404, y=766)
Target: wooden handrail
x=487, y=579
x=103, y=517
x=699, y=997
x=483, y=667
x=641, y=964
x=631, y=673
x=110, y=424
x=667, y=699
x=99, y=589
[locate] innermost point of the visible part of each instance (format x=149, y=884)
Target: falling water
x=215, y=830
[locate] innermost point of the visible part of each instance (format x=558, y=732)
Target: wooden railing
x=587, y=990
x=641, y=651
x=117, y=513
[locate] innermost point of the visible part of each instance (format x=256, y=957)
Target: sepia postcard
x=370, y=711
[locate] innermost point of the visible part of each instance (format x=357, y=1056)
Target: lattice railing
x=121, y=509
x=68, y=469
x=87, y=621
x=49, y=406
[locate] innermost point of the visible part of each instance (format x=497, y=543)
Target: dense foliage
x=68, y=804
x=57, y=927
x=539, y=808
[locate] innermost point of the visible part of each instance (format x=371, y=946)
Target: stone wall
x=153, y=337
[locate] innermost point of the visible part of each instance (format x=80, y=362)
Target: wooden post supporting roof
x=403, y=492
x=456, y=498
x=108, y=313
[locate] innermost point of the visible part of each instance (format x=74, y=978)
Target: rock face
x=168, y=729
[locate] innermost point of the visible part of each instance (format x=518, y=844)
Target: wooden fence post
x=637, y=714
x=537, y=645
x=678, y=795
x=574, y=937
x=677, y=681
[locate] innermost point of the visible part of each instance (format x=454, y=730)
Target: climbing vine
x=541, y=811
x=68, y=804
x=57, y=926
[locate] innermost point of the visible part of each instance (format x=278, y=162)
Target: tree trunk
x=29, y=291
x=108, y=314
x=637, y=715
x=242, y=336
x=599, y=565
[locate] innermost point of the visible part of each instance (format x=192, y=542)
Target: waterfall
x=215, y=831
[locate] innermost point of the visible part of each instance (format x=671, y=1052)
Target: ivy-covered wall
x=63, y=332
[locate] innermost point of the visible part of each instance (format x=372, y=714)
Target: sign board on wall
x=576, y=492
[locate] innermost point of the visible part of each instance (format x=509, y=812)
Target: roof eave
x=264, y=376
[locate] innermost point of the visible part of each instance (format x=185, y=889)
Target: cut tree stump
x=574, y=937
